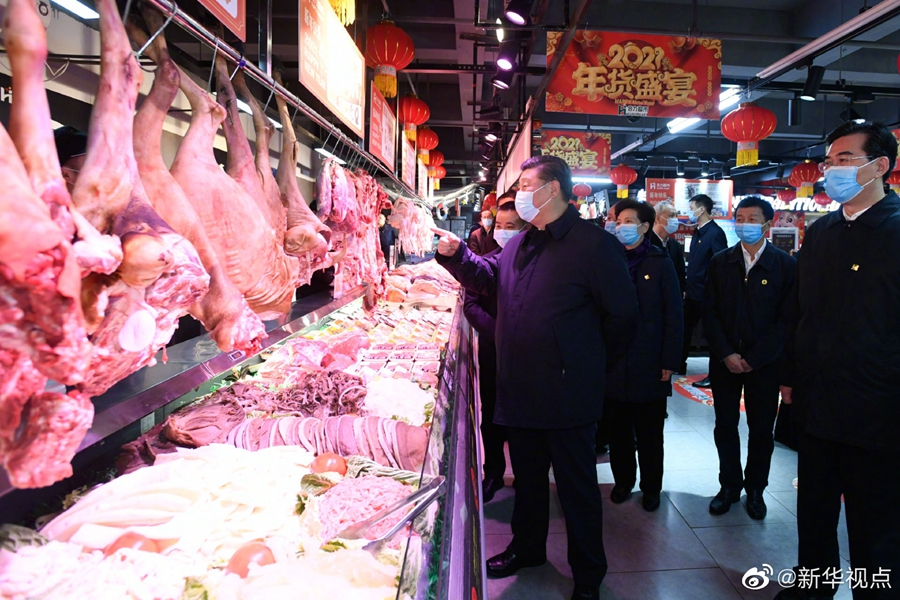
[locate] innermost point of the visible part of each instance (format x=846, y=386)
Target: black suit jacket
x=676, y=253
x=707, y=241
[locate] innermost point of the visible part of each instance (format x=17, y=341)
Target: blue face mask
x=627, y=233
x=695, y=216
x=841, y=185
x=749, y=233
x=610, y=226
x=672, y=225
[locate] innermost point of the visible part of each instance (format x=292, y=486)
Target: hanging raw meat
x=238, y=229
x=336, y=198
x=223, y=310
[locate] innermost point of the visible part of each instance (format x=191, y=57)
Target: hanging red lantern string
x=746, y=126
x=805, y=174
x=413, y=112
x=426, y=140
x=490, y=201
x=894, y=181
x=435, y=158
x=388, y=49
x=623, y=176
x=787, y=196
x=822, y=199
x=438, y=174
x=581, y=190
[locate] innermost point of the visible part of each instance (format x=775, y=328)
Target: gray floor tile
x=789, y=501
x=687, y=584
x=636, y=540
x=687, y=450
x=552, y=581
x=706, y=426
x=683, y=407
x=676, y=423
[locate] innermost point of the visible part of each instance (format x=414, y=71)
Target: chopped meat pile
x=356, y=499
x=388, y=442
x=205, y=423
x=143, y=451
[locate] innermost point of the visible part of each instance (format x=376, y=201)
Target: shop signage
x=232, y=14
x=408, y=163
x=803, y=205
x=382, y=130
x=680, y=191
x=636, y=75
x=422, y=179
x=331, y=66
x=586, y=153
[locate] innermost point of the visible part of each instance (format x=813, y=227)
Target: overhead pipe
x=189, y=24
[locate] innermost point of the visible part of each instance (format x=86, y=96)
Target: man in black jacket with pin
x=845, y=347
x=747, y=290
x=565, y=305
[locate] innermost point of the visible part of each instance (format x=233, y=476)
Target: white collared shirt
x=749, y=261
x=855, y=215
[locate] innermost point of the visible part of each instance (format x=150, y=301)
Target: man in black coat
x=387, y=236
x=747, y=291
x=845, y=348
x=707, y=241
x=639, y=383
x=565, y=305
x=665, y=225
x=481, y=241
x=481, y=312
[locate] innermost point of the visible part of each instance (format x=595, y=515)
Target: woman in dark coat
x=639, y=383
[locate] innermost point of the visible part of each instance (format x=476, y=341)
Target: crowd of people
x=577, y=325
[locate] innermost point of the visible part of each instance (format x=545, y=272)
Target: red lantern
x=623, y=176
x=437, y=174
x=805, y=174
x=787, y=196
x=435, y=158
x=746, y=126
x=822, y=199
x=426, y=140
x=894, y=181
x=490, y=201
x=413, y=112
x=581, y=190
x=388, y=49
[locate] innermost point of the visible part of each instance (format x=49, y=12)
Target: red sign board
x=408, y=164
x=232, y=14
x=680, y=191
x=382, y=130
x=631, y=74
x=331, y=66
x=586, y=153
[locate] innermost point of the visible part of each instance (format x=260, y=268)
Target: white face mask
x=525, y=204
x=487, y=223
x=502, y=236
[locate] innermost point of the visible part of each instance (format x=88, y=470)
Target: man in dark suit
x=845, y=346
x=707, y=241
x=746, y=295
x=565, y=306
x=481, y=241
x=665, y=225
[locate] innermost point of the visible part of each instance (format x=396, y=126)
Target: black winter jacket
x=676, y=253
x=706, y=242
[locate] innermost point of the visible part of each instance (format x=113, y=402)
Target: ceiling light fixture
x=726, y=172
x=328, y=154
x=503, y=79
x=794, y=105
x=499, y=30
x=704, y=169
x=779, y=172
x=506, y=56
x=813, y=81
x=518, y=11
x=679, y=168
x=77, y=8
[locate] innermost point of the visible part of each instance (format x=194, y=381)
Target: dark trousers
x=571, y=452
x=642, y=422
x=493, y=435
x=760, y=389
x=693, y=312
x=871, y=488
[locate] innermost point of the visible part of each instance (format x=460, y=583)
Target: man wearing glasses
x=845, y=346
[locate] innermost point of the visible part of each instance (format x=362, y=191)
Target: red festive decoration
x=437, y=173
x=426, y=140
x=413, y=112
x=490, y=201
x=746, y=126
x=435, y=158
x=581, y=190
x=787, y=196
x=623, y=176
x=822, y=199
x=806, y=174
x=388, y=49
x=894, y=181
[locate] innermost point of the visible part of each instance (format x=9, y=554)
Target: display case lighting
x=77, y=8
x=328, y=154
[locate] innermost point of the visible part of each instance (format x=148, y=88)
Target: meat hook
x=241, y=64
x=158, y=31
x=212, y=69
x=271, y=93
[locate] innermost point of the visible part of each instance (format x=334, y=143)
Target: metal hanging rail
x=189, y=24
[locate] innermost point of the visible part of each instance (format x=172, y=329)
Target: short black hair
x=879, y=139
x=484, y=210
x=69, y=142
x=510, y=193
x=552, y=168
x=756, y=202
x=508, y=207
x=704, y=201
x=644, y=211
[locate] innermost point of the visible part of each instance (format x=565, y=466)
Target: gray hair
x=665, y=208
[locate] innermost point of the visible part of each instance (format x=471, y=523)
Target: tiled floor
x=679, y=551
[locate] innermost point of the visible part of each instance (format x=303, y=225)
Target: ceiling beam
x=489, y=69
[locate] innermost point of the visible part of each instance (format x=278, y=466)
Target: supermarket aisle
x=680, y=551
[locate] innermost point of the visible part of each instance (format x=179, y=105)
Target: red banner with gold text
x=586, y=152
x=631, y=74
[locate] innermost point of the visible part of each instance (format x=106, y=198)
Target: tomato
x=135, y=541
x=329, y=461
x=253, y=553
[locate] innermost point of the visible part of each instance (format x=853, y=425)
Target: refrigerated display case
x=447, y=565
